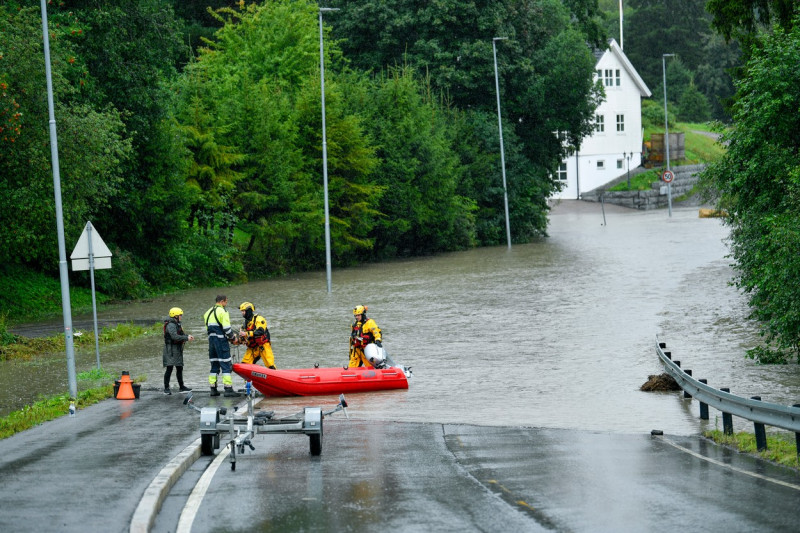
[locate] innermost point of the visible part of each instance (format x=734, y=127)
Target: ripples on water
x=558, y=333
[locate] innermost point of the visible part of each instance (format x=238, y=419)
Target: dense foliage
x=93, y=146
x=759, y=186
x=700, y=76
x=189, y=132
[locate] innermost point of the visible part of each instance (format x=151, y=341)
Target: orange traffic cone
x=125, y=391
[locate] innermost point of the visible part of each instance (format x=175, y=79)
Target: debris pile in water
x=661, y=382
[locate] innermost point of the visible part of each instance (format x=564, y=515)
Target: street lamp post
x=500, y=124
x=666, y=125
x=325, y=151
x=66, y=306
x=628, y=157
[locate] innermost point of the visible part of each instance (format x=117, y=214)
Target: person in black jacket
x=174, y=339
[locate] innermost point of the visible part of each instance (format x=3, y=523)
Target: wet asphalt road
x=92, y=472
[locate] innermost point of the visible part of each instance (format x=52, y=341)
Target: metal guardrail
x=753, y=409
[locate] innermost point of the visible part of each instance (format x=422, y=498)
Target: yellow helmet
x=175, y=311
x=247, y=305
x=359, y=310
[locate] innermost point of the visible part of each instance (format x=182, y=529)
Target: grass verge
x=50, y=409
x=57, y=406
x=17, y=347
x=639, y=182
x=781, y=448
x=24, y=348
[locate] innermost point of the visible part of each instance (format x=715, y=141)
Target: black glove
x=378, y=344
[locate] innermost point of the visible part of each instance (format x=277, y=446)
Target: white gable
x=621, y=58
x=616, y=144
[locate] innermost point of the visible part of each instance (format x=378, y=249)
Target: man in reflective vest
x=255, y=335
x=218, y=325
x=364, y=331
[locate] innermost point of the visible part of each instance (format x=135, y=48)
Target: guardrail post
x=727, y=418
x=668, y=355
x=703, y=406
x=662, y=345
x=686, y=394
x=761, y=434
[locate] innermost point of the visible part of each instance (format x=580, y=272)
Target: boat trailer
x=216, y=422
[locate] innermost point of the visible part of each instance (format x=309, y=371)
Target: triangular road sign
x=100, y=252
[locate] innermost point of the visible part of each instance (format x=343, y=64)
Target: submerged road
x=96, y=472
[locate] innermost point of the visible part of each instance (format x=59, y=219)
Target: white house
x=617, y=140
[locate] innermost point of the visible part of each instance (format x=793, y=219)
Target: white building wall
x=610, y=153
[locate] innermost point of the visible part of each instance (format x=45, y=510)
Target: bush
x=653, y=114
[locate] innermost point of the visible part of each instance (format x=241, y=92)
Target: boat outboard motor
x=375, y=355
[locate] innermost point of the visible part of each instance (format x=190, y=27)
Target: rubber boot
x=229, y=392
x=214, y=391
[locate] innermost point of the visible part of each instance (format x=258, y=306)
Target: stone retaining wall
x=655, y=197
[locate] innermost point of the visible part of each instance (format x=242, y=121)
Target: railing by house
x=753, y=409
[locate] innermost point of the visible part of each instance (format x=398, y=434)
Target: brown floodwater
x=558, y=333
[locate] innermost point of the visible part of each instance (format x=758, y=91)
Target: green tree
x=546, y=69
x=421, y=213
x=656, y=27
x=211, y=176
x=714, y=77
x=758, y=182
x=741, y=19
x=259, y=76
x=91, y=142
x=692, y=105
x=130, y=51
x=199, y=22
x=682, y=93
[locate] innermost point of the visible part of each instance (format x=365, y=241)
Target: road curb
x=145, y=515
x=149, y=506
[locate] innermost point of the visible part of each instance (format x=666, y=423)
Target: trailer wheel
x=316, y=443
x=207, y=444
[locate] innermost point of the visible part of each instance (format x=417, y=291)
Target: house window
x=562, y=172
x=599, y=73
x=601, y=165
x=617, y=78
x=600, y=123
x=620, y=123
x=619, y=163
x=609, y=79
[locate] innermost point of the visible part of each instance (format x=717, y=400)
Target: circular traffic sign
x=667, y=176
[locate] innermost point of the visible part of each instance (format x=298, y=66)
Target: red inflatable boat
x=322, y=381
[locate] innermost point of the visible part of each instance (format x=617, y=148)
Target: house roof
x=614, y=48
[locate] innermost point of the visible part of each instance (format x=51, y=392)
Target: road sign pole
x=94, y=300
x=667, y=176
x=669, y=198
x=90, y=255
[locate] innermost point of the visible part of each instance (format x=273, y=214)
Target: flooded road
x=558, y=333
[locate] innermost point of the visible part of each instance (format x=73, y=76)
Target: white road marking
x=189, y=511
x=720, y=463
x=198, y=493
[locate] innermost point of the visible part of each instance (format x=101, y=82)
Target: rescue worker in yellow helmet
x=255, y=335
x=364, y=331
x=218, y=326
